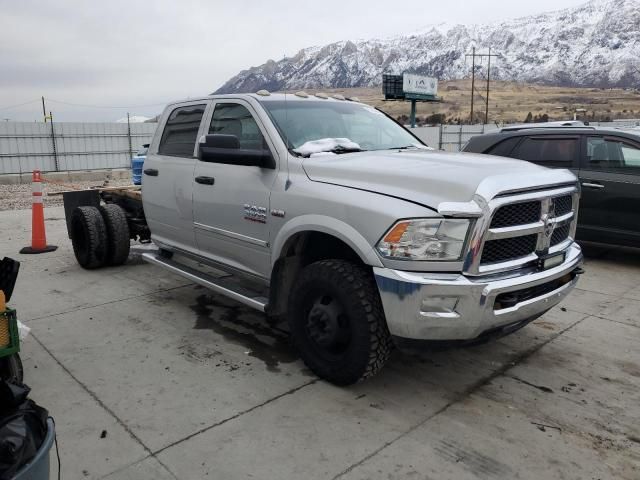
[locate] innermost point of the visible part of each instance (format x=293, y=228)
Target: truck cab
x=326, y=212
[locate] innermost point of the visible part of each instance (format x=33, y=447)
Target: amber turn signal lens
x=396, y=233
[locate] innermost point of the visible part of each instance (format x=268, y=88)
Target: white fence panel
x=78, y=146
x=429, y=135
x=450, y=137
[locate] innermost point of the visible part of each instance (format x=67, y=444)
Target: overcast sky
x=139, y=55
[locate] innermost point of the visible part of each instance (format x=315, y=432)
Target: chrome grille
x=563, y=205
x=496, y=251
x=516, y=214
x=560, y=234
x=519, y=228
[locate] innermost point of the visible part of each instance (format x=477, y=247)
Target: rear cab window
x=555, y=152
x=181, y=131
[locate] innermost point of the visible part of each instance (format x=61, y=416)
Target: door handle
x=595, y=186
x=152, y=172
x=206, y=180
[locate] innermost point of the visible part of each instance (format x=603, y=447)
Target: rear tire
x=89, y=237
x=118, y=241
x=337, y=321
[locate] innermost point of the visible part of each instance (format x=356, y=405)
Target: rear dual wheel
x=118, y=241
x=100, y=236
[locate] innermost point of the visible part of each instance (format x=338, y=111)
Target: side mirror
x=218, y=148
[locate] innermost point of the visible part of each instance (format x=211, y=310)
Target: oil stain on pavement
x=241, y=326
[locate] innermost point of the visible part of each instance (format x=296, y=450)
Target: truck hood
x=431, y=178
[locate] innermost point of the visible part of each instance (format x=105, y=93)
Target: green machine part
x=9, y=338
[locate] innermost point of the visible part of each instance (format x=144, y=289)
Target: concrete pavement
x=151, y=377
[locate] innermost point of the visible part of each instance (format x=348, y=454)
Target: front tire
x=337, y=322
x=89, y=237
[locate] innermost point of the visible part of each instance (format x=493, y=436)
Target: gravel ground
x=18, y=197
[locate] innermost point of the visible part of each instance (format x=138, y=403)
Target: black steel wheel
x=337, y=322
x=89, y=237
x=118, y=240
x=328, y=326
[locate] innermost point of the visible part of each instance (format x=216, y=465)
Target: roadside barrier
x=38, y=235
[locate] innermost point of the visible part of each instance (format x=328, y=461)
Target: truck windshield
x=309, y=126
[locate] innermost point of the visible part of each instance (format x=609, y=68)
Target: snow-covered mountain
x=595, y=44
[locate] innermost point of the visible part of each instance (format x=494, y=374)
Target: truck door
x=610, y=178
x=167, y=177
x=230, y=201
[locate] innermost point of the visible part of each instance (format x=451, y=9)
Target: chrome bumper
x=434, y=306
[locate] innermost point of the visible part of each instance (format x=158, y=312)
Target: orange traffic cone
x=38, y=236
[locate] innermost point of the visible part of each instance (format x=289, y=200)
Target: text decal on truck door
x=255, y=213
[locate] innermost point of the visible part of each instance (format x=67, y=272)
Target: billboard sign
x=418, y=84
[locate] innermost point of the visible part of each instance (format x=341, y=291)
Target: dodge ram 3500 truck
x=326, y=212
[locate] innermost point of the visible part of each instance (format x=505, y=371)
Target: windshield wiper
x=407, y=147
x=337, y=150
x=343, y=149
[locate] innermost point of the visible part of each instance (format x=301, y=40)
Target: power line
x=473, y=55
x=19, y=104
x=106, y=106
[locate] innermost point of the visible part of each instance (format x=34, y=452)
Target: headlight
x=425, y=239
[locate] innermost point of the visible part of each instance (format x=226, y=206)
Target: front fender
x=330, y=226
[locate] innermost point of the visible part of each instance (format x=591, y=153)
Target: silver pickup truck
x=326, y=212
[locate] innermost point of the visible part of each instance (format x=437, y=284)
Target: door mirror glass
x=218, y=148
x=222, y=141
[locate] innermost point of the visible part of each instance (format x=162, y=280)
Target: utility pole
x=473, y=82
x=53, y=143
x=129, y=136
x=486, y=108
x=473, y=56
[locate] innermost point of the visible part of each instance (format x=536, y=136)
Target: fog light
x=439, y=305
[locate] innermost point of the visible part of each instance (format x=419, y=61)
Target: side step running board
x=208, y=281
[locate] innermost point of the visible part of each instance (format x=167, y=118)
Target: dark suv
x=606, y=160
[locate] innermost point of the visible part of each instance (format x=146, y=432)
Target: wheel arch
x=308, y=224
x=309, y=239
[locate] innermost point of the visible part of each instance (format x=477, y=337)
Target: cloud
x=136, y=53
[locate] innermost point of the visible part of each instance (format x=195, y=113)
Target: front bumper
x=444, y=307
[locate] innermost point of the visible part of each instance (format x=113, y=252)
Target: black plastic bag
x=23, y=428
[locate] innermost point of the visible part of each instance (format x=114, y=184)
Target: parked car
x=327, y=213
x=137, y=162
x=606, y=160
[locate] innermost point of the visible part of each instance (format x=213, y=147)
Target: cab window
x=611, y=154
x=235, y=119
x=180, y=132
x=549, y=152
